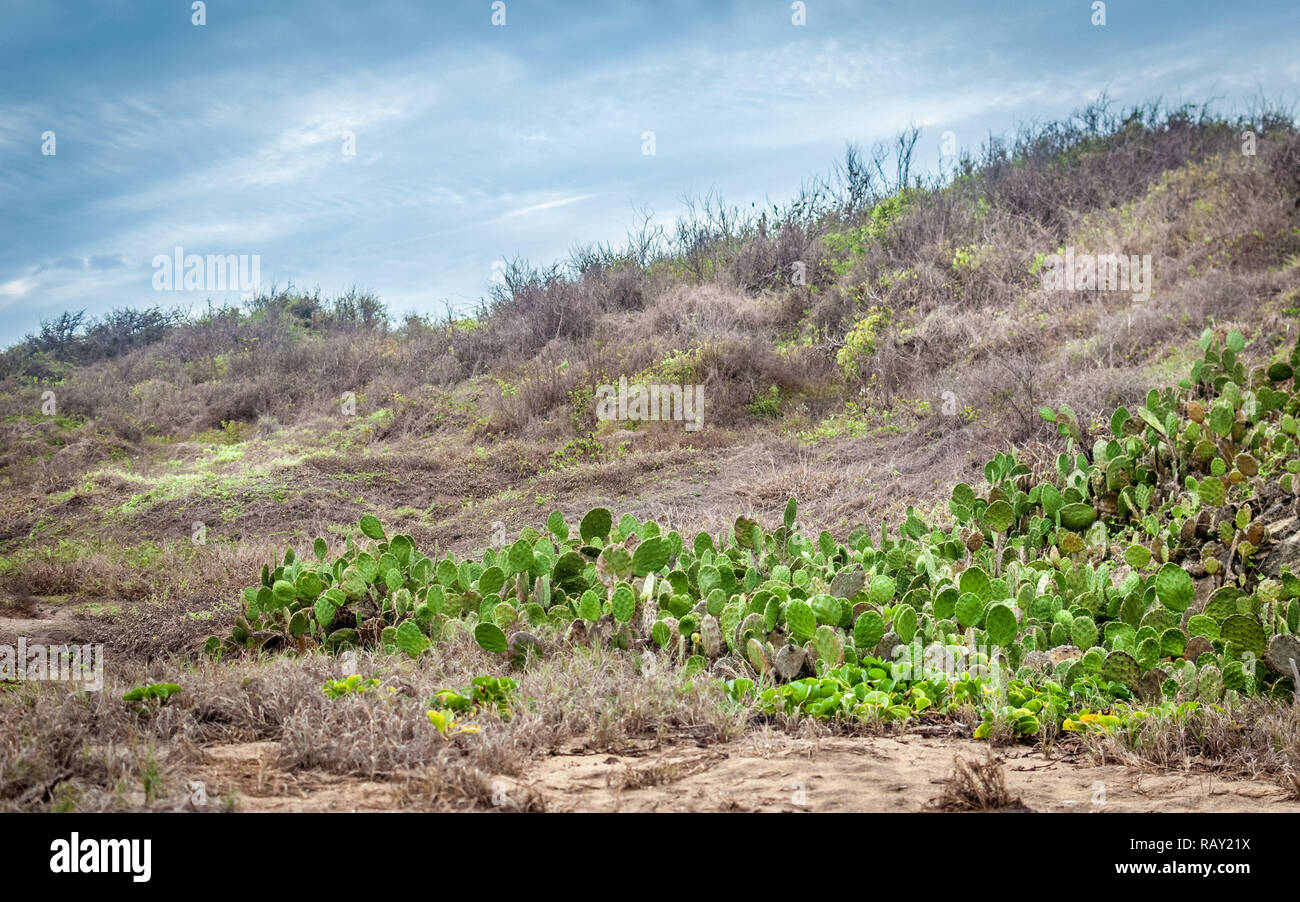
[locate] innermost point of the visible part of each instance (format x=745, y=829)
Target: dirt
x=40, y=621
x=247, y=773
x=767, y=772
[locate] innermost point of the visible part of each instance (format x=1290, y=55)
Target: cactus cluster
x=1132, y=576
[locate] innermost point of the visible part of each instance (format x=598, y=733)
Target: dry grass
x=61, y=743
x=1260, y=739
x=976, y=785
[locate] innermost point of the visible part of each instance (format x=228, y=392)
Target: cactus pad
x=1121, y=667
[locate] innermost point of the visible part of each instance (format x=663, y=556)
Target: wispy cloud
x=549, y=205
x=476, y=143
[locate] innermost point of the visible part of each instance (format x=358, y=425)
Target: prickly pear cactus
x=623, y=602
x=868, y=630
x=1283, y=656
x=1209, y=684
x=830, y=648
x=800, y=620
x=1244, y=631
x=1083, y=632
x=1000, y=624
x=789, y=661
x=710, y=636
x=751, y=626
x=1121, y=667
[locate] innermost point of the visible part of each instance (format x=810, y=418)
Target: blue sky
x=477, y=143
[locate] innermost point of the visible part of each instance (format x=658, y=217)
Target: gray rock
x=1037, y=661
x=1064, y=653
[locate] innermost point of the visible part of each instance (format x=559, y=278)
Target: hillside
x=864, y=350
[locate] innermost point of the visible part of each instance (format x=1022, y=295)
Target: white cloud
x=548, y=205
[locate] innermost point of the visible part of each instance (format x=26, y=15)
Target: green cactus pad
x=945, y=603
x=490, y=638
x=589, y=606
x=1148, y=652
x=650, y=556
x=904, y=623
x=1083, y=632
x=490, y=581
x=660, y=633
x=1222, y=604
x=1203, y=625
x=1000, y=624
x=596, y=524
x=340, y=638
x=881, y=590
x=1236, y=678
x=975, y=581
x=1209, y=684
x=410, y=639
x=800, y=620
x=969, y=609
x=830, y=647
x=868, y=630
x=1173, y=642
x=1244, y=631
x=1121, y=667
x=1174, y=587
x=999, y=516
x=1077, y=516
x=504, y=614
x=623, y=602
x=1137, y=556
x=826, y=608
x=555, y=523
x=771, y=614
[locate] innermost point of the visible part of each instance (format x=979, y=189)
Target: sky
x=472, y=143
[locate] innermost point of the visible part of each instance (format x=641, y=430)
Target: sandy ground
x=768, y=772
x=763, y=771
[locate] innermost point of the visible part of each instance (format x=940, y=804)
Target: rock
x=1063, y=653
x=1037, y=661
x=576, y=633
x=724, y=671
x=1283, y=551
x=522, y=646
